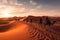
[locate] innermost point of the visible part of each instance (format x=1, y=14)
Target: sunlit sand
x=18, y=31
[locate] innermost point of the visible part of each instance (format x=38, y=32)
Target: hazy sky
x=34, y=7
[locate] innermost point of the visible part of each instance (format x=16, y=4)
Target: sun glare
x=10, y=11
x=5, y=13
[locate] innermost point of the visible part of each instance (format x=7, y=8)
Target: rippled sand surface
x=27, y=31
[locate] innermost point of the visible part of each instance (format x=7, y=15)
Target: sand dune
x=27, y=30
x=17, y=31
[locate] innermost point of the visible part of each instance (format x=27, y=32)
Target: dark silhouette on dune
x=40, y=21
x=43, y=28
x=48, y=22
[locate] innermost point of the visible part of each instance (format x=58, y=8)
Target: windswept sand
x=18, y=31
x=28, y=31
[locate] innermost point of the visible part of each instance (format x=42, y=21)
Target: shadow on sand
x=4, y=26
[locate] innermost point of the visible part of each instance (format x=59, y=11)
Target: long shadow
x=5, y=28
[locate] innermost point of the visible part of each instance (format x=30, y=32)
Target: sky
x=31, y=7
